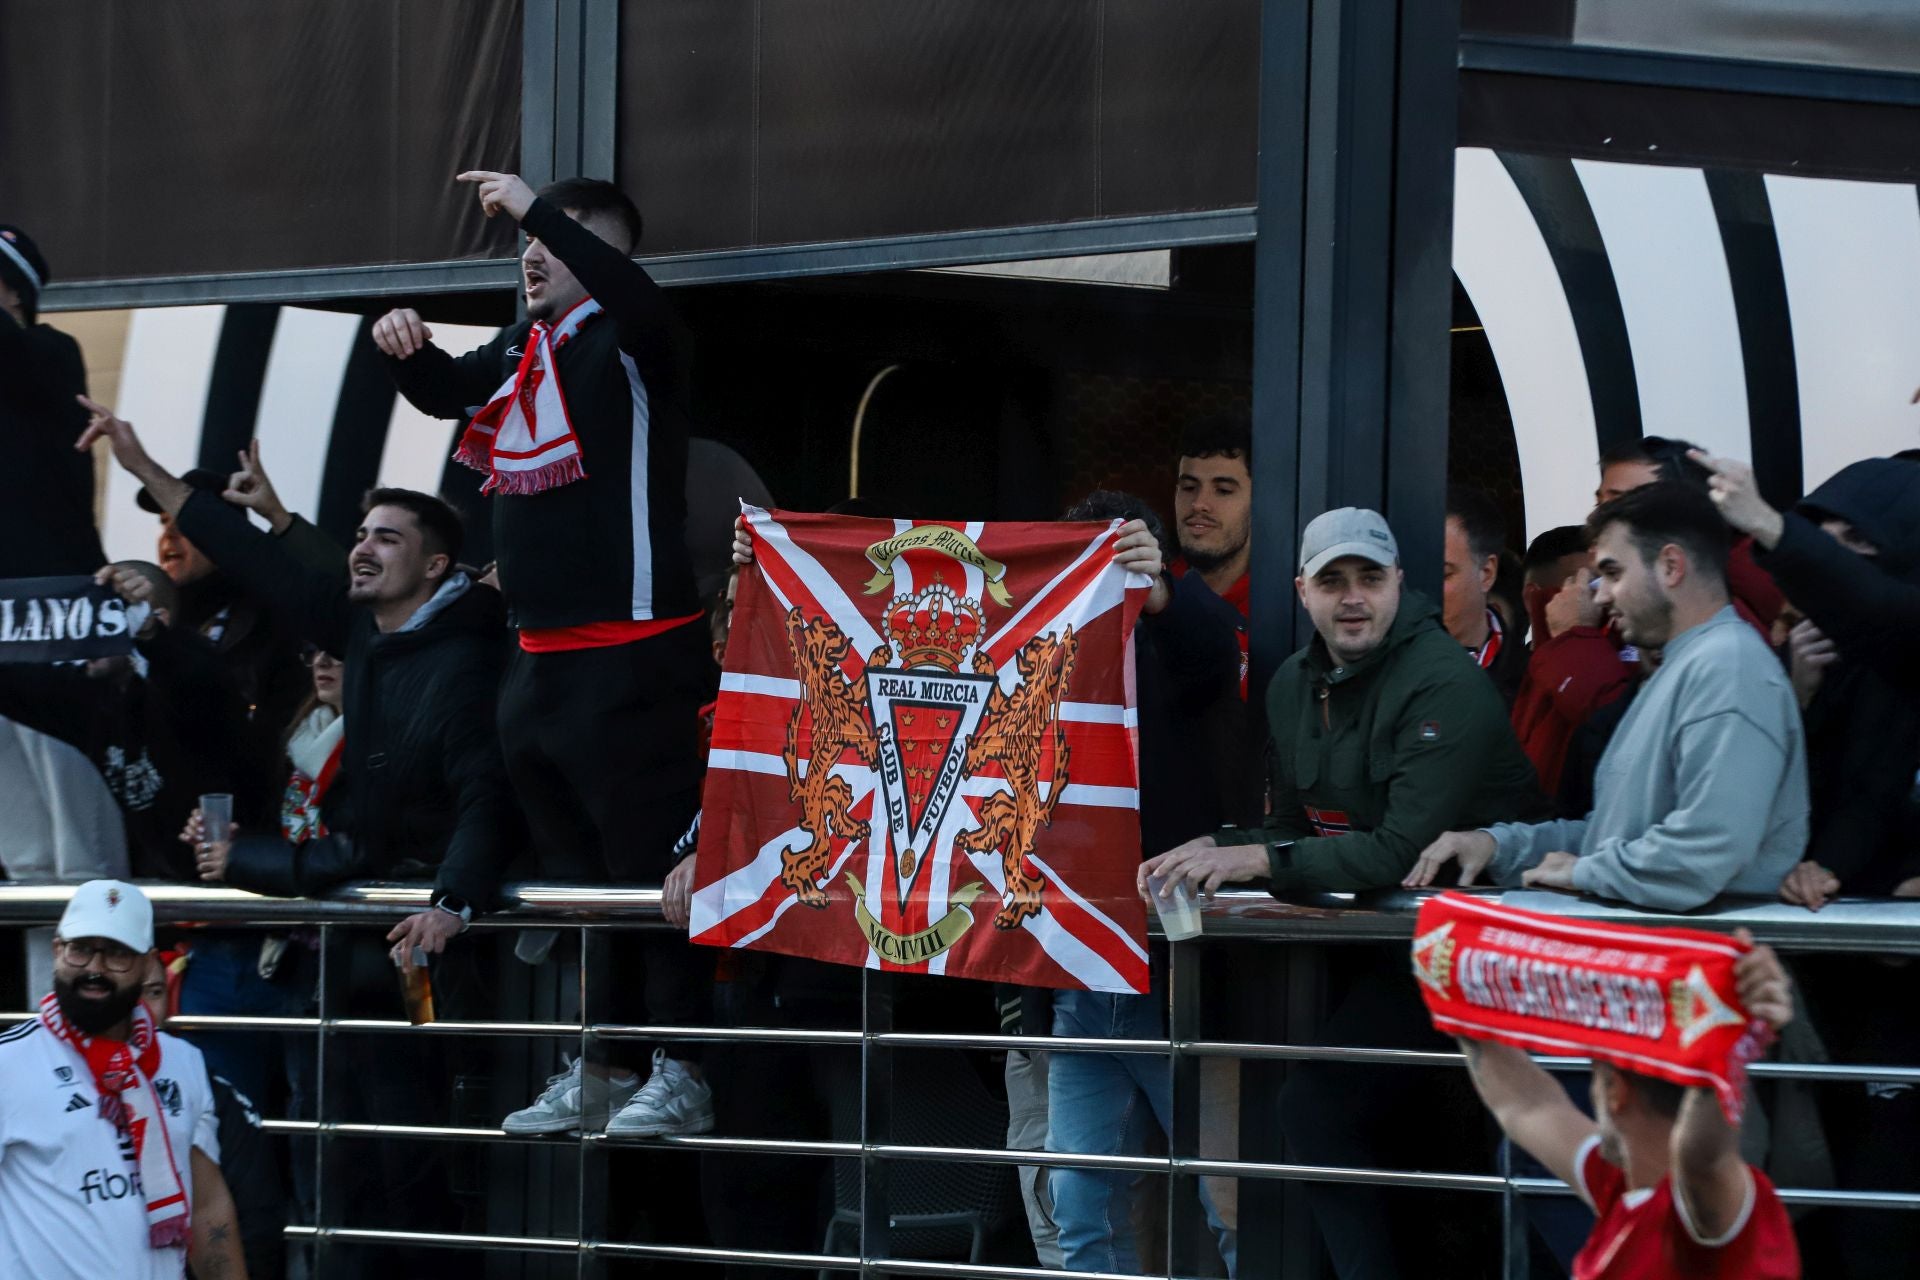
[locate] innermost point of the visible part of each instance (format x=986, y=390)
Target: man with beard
x=1213, y=514
x=1703, y=789
x=109, y=1159
x=1384, y=735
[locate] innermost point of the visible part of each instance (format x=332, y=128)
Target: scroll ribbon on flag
x=1660, y=1002
x=946, y=540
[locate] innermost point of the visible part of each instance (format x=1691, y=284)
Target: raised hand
x=400, y=333
x=1762, y=983
x=251, y=488
x=134, y=588
x=1573, y=606
x=1138, y=551
x=500, y=192
x=1738, y=497
x=1810, y=654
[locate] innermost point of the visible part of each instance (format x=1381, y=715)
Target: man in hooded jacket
x=1384, y=731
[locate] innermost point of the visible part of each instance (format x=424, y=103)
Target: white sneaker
x=558, y=1109
x=670, y=1102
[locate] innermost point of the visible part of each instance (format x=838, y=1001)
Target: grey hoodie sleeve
x=1520, y=846
x=1714, y=830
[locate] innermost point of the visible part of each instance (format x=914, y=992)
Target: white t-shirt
x=70, y=1196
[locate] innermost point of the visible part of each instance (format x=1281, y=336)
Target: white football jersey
x=71, y=1204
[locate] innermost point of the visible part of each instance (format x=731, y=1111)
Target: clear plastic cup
x=1179, y=913
x=216, y=817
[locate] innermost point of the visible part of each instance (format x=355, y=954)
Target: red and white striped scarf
x=523, y=438
x=123, y=1072
x=1490, y=648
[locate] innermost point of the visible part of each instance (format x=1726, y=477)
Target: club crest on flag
x=927, y=725
x=960, y=787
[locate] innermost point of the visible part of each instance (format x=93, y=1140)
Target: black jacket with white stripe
x=610, y=547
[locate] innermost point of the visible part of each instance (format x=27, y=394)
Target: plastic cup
x=416, y=986
x=1179, y=913
x=216, y=818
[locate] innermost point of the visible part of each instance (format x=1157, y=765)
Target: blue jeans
x=223, y=977
x=1100, y=1104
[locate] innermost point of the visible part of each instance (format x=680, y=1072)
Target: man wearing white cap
x=109, y=1164
x=1383, y=728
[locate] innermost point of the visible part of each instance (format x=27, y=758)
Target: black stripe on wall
x=360, y=419
x=233, y=389
x=1766, y=330
x=1559, y=206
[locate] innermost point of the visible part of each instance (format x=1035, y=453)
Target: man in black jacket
x=1868, y=607
x=574, y=417
x=422, y=786
x=46, y=490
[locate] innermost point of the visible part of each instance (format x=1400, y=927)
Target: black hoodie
x=1869, y=606
x=1863, y=732
x=422, y=787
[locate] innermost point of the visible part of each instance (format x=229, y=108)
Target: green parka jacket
x=1372, y=761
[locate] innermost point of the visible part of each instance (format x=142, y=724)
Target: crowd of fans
x=1684, y=694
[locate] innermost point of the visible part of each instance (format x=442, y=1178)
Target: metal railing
x=1848, y=926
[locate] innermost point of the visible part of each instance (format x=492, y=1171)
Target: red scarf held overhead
x=523, y=439
x=1660, y=1002
x=123, y=1073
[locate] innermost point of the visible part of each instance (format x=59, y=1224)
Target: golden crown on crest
x=934, y=627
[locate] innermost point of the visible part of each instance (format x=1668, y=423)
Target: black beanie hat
x=21, y=266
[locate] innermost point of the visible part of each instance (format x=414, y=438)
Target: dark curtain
x=198, y=136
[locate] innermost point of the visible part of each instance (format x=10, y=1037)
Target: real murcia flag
x=523, y=438
x=930, y=768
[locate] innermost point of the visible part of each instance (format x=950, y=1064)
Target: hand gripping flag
x=924, y=753
x=1661, y=1002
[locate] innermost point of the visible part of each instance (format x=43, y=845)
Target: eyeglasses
x=113, y=957
x=319, y=658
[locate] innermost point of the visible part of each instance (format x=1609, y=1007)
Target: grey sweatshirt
x=1702, y=791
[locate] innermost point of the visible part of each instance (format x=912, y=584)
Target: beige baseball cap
x=111, y=909
x=1347, y=531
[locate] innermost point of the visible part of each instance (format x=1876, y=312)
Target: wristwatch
x=454, y=905
x=1279, y=857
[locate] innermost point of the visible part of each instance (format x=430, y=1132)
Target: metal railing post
x=876, y=1116
x=321, y=1246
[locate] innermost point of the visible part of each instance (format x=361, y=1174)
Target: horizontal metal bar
x=1616, y=65
x=769, y=262
x=460, y=276
x=1320, y=1053
x=437, y=1239
x=1848, y=925
x=1028, y=1044
x=982, y=1271
x=710, y=1254
x=726, y=1035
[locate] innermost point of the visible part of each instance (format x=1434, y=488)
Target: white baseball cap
x=110, y=909
x=1347, y=531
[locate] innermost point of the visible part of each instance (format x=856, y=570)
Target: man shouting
x=573, y=417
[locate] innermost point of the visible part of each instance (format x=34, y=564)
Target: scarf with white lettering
x=1660, y=1002
x=123, y=1075
x=523, y=438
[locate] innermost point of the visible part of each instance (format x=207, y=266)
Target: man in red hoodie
x=1579, y=664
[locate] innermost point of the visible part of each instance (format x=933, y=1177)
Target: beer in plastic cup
x=216, y=818
x=416, y=986
x=1179, y=913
